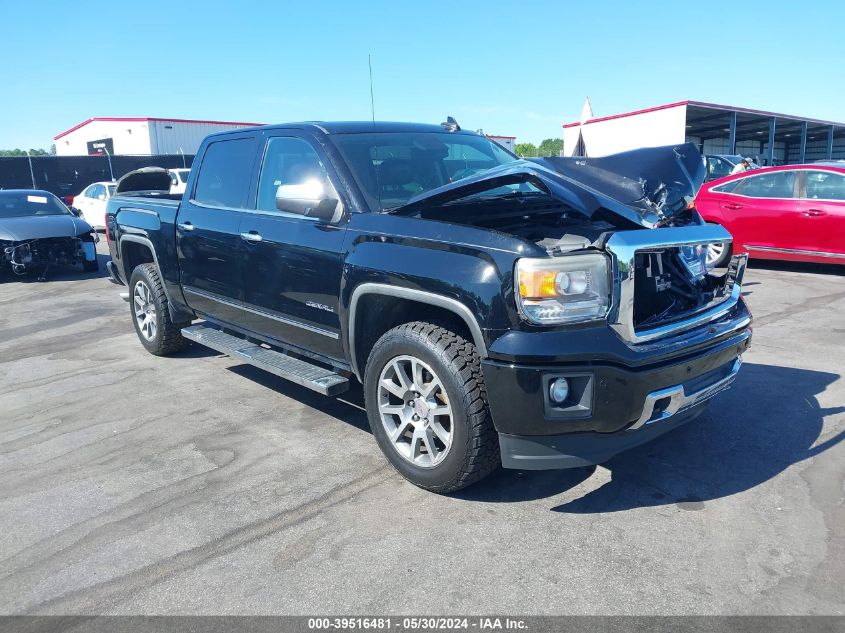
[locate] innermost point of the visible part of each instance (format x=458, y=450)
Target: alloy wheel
x=145, y=310
x=415, y=411
x=715, y=250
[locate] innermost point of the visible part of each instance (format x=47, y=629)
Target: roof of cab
x=349, y=127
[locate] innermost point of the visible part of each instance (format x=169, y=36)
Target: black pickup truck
x=534, y=314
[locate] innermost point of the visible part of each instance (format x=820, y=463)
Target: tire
x=720, y=256
x=439, y=451
x=150, y=316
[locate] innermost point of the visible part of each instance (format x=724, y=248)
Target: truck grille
x=656, y=294
x=666, y=292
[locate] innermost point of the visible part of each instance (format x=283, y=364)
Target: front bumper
x=617, y=405
x=664, y=410
x=574, y=450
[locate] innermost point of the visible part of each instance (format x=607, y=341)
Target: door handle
x=814, y=213
x=186, y=226
x=733, y=206
x=252, y=236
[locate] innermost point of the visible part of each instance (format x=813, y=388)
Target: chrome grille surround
x=623, y=247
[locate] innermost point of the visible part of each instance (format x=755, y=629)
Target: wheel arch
x=136, y=250
x=394, y=305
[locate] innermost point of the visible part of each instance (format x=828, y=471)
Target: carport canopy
x=769, y=137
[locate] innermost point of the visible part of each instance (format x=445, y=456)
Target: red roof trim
x=632, y=113
x=108, y=118
x=715, y=106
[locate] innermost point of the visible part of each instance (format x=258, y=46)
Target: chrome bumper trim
x=679, y=400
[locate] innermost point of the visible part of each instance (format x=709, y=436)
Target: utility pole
x=106, y=150
x=31, y=170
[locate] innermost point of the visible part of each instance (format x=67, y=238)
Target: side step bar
x=321, y=380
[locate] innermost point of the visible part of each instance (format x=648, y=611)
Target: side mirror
x=76, y=212
x=102, y=196
x=312, y=199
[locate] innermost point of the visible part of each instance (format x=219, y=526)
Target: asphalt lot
x=196, y=484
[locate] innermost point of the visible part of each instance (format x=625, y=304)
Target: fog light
x=559, y=390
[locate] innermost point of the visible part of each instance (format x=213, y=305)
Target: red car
x=793, y=212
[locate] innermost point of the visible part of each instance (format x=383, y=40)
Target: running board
x=320, y=379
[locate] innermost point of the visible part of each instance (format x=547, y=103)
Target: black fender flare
x=430, y=298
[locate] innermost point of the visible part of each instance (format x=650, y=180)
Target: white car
x=178, y=180
x=92, y=203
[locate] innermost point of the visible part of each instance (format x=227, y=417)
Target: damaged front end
x=42, y=254
x=644, y=188
x=635, y=208
x=38, y=232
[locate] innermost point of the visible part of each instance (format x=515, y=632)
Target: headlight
x=567, y=289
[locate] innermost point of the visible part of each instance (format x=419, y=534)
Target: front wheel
x=427, y=407
x=718, y=254
x=148, y=307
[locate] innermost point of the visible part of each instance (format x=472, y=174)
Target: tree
x=526, y=149
x=550, y=147
x=21, y=152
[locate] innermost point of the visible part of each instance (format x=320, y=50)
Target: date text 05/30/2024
x=417, y=623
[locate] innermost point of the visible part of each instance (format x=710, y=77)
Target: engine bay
x=667, y=290
x=539, y=218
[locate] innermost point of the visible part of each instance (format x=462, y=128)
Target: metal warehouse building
x=138, y=136
x=508, y=142
x=717, y=129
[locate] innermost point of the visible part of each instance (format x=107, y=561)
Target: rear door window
x=825, y=185
x=775, y=184
x=225, y=174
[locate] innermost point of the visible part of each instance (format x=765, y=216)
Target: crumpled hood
x=643, y=186
x=42, y=226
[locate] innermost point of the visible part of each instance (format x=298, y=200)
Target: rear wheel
x=427, y=407
x=150, y=315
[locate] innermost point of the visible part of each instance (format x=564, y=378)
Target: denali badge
x=319, y=306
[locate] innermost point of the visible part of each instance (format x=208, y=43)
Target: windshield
x=111, y=189
x=392, y=167
x=16, y=204
x=183, y=175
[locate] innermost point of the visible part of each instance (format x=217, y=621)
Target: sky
x=512, y=68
